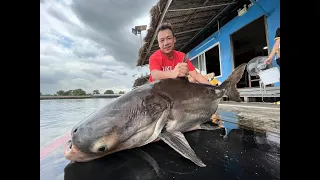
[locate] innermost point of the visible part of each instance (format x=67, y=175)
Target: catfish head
x=100, y=134
x=92, y=140
x=125, y=123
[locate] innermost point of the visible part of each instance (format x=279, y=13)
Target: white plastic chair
x=267, y=77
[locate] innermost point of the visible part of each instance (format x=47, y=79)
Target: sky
x=89, y=44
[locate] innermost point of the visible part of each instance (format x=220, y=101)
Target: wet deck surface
x=234, y=153
x=257, y=116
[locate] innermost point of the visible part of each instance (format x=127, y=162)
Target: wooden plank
x=258, y=116
x=268, y=87
x=260, y=92
x=255, y=92
x=258, y=95
x=257, y=89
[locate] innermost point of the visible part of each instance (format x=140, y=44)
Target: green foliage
x=108, y=92
x=96, y=92
x=75, y=92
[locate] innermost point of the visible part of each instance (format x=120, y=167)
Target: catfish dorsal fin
x=178, y=142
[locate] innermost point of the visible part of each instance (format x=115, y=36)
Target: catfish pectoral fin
x=178, y=142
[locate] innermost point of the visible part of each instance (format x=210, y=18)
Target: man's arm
x=156, y=71
x=274, y=49
x=197, y=76
x=275, y=46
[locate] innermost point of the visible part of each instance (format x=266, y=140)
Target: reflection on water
x=57, y=117
x=242, y=154
x=229, y=121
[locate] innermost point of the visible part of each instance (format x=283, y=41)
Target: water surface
x=58, y=116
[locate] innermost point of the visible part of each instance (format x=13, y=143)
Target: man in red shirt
x=168, y=63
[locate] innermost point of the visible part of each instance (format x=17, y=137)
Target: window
x=213, y=60
x=199, y=62
x=208, y=61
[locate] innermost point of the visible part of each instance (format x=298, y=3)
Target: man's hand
x=181, y=70
x=268, y=61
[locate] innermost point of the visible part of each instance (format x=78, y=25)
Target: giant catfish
x=161, y=110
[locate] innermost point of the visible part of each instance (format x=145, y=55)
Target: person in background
x=168, y=63
x=275, y=49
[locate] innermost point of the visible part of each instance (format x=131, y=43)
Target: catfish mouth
x=68, y=147
x=72, y=153
x=68, y=150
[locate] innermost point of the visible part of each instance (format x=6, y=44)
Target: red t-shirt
x=160, y=61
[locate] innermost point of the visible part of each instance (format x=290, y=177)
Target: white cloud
x=88, y=44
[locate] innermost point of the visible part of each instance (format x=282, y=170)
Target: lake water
x=58, y=116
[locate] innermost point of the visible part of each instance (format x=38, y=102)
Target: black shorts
x=278, y=61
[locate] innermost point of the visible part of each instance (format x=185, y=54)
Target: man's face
x=166, y=41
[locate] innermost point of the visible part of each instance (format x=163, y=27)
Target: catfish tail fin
x=230, y=84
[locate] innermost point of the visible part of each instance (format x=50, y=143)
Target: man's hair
x=165, y=26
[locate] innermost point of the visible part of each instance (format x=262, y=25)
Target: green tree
x=40, y=94
x=121, y=92
x=108, y=92
x=78, y=92
x=68, y=93
x=96, y=92
x=60, y=93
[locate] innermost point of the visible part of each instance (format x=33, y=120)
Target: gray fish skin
x=160, y=110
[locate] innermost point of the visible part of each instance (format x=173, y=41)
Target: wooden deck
x=252, y=93
x=254, y=115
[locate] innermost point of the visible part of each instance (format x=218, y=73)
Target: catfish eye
x=102, y=148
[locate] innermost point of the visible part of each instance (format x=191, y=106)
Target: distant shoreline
x=81, y=97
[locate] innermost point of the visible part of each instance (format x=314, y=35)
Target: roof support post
x=155, y=32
